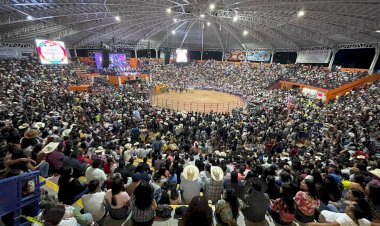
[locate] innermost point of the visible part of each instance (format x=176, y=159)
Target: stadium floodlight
x=169, y=10
x=173, y=32
x=300, y=13
x=117, y=18
x=378, y=31
x=235, y=18
x=212, y=6
x=202, y=16
x=208, y=24
x=29, y=17
x=245, y=32
x=175, y=20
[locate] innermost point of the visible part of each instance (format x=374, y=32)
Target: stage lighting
x=235, y=18
x=169, y=10
x=117, y=18
x=300, y=13
x=212, y=6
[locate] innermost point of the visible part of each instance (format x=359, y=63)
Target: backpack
x=164, y=211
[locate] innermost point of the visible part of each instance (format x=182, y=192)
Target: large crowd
x=311, y=161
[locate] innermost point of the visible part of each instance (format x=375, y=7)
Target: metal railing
x=160, y=102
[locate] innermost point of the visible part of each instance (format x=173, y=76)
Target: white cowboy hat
x=223, y=154
x=100, y=149
x=24, y=126
x=49, y=148
x=39, y=125
x=128, y=146
x=66, y=132
x=217, y=173
x=191, y=172
x=375, y=173
x=135, y=144
x=217, y=153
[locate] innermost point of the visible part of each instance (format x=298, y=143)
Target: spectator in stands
x=70, y=189
x=73, y=162
x=372, y=190
x=95, y=173
x=283, y=208
x=190, y=183
x=143, y=204
x=117, y=201
x=198, y=213
x=227, y=209
x=93, y=202
x=130, y=188
x=214, y=185
x=306, y=200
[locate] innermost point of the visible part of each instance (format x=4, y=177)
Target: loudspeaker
x=105, y=58
x=167, y=57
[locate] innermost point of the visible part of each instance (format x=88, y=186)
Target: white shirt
x=190, y=188
x=342, y=219
x=92, y=174
x=93, y=203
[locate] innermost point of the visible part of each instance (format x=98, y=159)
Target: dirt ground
x=198, y=100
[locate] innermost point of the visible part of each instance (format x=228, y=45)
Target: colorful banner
x=51, y=52
x=314, y=56
x=235, y=56
x=262, y=56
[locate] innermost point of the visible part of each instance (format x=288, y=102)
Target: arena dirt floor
x=197, y=100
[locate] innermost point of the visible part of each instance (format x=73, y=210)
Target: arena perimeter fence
x=160, y=102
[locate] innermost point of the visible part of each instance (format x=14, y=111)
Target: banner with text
x=235, y=56
x=262, y=56
x=314, y=56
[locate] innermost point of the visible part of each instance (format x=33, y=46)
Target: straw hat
x=31, y=133
x=216, y=173
x=39, y=125
x=128, y=146
x=191, y=172
x=217, y=153
x=66, y=132
x=223, y=154
x=375, y=173
x=23, y=126
x=100, y=149
x=49, y=148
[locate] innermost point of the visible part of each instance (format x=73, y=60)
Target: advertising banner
x=235, y=56
x=314, y=56
x=51, y=52
x=262, y=56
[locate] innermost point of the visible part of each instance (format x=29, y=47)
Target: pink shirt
x=121, y=199
x=305, y=203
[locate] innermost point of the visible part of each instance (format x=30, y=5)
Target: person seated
x=70, y=188
x=283, y=209
x=143, y=205
x=116, y=200
x=306, y=200
x=93, y=201
x=190, y=183
x=198, y=213
x=227, y=209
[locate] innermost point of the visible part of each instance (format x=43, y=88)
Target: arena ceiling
x=207, y=24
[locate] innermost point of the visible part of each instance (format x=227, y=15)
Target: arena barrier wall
x=196, y=107
x=117, y=80
x=80, y=88
x=352, y=85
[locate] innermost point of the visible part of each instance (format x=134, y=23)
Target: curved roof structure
x=193, y=24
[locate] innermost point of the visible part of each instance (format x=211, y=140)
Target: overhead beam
x=192, y=22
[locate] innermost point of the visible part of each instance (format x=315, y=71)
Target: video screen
x=116, y=60
x=181, y=56
x=51, y=52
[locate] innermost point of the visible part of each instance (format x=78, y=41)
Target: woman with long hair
x=306, y=200
x=283, y=208
x=70, y=188
x=373, y=191
x=227, y=209
x=198, y=213
x=117, y=200
x=143, y=205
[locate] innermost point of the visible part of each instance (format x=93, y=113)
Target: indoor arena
x=189, y=112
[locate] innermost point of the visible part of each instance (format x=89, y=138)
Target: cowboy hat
x=191, y=172
x=23, y=126
x=136, y=143
x=217, y=173
x=49, y=148
x=31, y=133
x=66, y=132
x=223, y=154
x=217, y=153
x=100, y=149
x=39, y=125
x=375, y=173
x=128, y=146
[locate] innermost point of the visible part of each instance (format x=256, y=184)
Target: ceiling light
x=117, y=18
x=208, y=24
x=29, y=17
x=175, y=20
x=235, y=18
x=300, y=13
x=169, y=10
x=378, y=31
x=202, y=16
x=212, y=6
x=173, y=32
x=245, y=32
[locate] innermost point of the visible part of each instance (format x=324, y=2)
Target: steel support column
x=272, y=56
x=334, y=51
x=374, y=61
x=156, y=53
x=135, y=53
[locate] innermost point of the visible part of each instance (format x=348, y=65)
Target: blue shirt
x=336, y=178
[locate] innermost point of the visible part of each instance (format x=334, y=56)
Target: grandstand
x=189, y=112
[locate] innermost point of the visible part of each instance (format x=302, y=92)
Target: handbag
x=164, y=211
